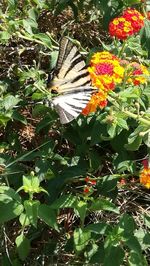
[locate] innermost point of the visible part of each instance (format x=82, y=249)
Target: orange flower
x=145, y=177
x=105, y=71
x=135, y=18
x=128, y=24
x=120, y=28
x=97, y=100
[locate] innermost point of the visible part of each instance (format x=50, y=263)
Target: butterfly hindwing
x=71, y=81
x=70, y=105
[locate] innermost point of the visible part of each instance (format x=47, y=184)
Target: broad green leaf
x=147, y=220
x=31, y=208
x=44, y=38
x=48, y=215
x=107, y=186
x=28, y=24
x=17, y=116
x=4, y=36
x=54, y=56
x=122, y=123
x=90, y=251
x=127, y=223
x=24, y=220
x=10, y=210
x=103, y=204
x=95, y=160
x=98, y=257
x=98, y=228
x=10, y=101
x=80, y=209
x=133, y=244
x=136, y=259
x=135, y=144
x=114, y=256
x=23, y=246
x=65, y=201
x=112, y=129
x=143, y=237
x=10, y=192
x=81, y=239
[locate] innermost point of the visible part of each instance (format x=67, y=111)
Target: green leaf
x=17, y=116
x=48, y=215
x=147, y=220
x=10, y=192
x=47, y=121
x=31, y=208
x=112, y=129
x=80, y=209
x=10, y=210
x=98, y=228
x=54, y=56
x=90, y=251
x=28, y=24
x=4, y=36
x=98, y=257
x=65, y=201
x=122, y=123
x=127, y=223
x=114, y=256
x=133, y=244
x=136, y=259
x=10, y=101
x=23, y=219
x=135, y=140
x=81, y=239
x=44, y=38
x=95, y=160
x=23, y=246
x=107, y=186
x=134, y=144
x=143, y=237
x=103, y=204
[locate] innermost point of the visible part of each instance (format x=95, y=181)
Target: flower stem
x=122, y=49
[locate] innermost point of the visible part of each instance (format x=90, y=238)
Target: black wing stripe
x=86, y=74
x=77, y=109
x=74, y=62
x=88, y=82
x=79, y=88
x=64, y=50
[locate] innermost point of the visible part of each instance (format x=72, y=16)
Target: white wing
x=70, y=105
x=72, y=81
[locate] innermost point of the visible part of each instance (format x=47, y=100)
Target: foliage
x=47, y=204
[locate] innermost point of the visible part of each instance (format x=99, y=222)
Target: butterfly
x=71, y=82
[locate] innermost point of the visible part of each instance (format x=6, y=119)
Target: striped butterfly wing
x=71, y=81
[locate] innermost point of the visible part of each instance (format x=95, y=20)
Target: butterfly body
x=71, y=82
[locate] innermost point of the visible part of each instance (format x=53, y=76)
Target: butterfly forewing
x=71, y=81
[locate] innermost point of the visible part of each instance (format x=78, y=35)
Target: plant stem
x=122, y=49
x=137, y=117
x=130, y=114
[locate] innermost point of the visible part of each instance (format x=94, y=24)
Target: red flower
x=145, y=163
x=86, y=189
x=120, y=28
x=90, y=181
x=104, y=68
x=135, y=18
